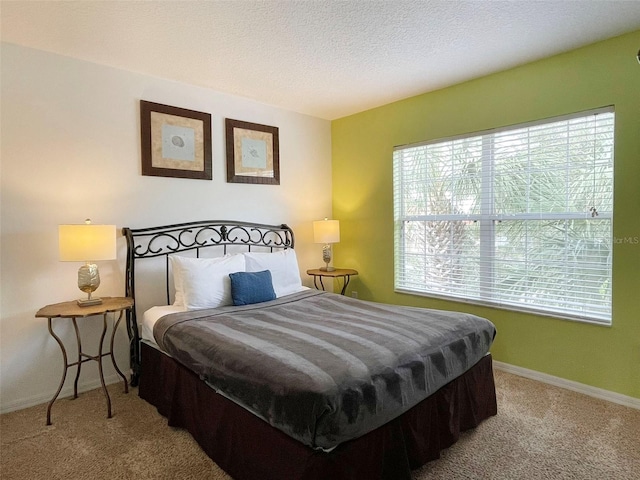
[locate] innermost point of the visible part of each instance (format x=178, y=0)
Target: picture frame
x=253, y=153
x=176, y=142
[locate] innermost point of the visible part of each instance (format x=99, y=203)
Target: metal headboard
x=144, y=243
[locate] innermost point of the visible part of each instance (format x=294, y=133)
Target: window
x=518, y=218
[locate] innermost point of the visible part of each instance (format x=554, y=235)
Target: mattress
x=151, y=316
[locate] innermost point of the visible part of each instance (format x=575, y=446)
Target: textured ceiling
x=324, y=58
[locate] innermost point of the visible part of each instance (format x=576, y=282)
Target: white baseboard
x=66, y=392
x=570, y=385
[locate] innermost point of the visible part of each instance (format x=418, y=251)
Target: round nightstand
x=73, y=311
x=344, y=273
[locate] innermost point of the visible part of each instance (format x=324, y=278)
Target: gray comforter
x=321, y=367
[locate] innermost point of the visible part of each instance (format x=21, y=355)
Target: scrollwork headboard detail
x=144, y=243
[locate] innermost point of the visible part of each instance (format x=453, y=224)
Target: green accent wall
x=605, y=73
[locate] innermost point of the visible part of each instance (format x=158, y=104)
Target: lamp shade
x=85, y=243
x=326, y=231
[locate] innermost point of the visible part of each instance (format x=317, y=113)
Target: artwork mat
x=158, y=159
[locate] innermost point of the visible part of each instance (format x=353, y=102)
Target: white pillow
x=178, y=299
x=205, y=281
x=283, y=265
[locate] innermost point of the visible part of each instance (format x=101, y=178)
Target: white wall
x=71, y=150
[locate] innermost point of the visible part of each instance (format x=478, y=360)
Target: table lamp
x=326, y=232
x=87, y=243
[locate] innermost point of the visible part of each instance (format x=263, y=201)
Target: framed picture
x=176, y=142
x=252, y=153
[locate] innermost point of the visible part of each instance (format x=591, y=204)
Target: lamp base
x=88, y=282
x=88, y=302
x=326, y=258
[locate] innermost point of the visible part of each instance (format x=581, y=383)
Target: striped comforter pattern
x=321, y=367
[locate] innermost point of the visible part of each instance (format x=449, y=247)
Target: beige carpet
x=540, y=432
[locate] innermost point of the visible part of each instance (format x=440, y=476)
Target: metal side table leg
x=99, y=358
x=64, y=372
x=345, y=280
x=113, y=358
x=79, y=343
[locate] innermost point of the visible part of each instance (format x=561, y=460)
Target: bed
x=278, y=381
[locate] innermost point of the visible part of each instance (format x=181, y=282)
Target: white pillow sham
x=283, y=265
x=205, y=282
x=176, y=272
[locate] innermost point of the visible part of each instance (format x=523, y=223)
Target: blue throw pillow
x=251, y=287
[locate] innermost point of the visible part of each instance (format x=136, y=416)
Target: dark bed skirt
x=248, y=448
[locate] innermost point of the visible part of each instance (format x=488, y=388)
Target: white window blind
x=518, y=218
